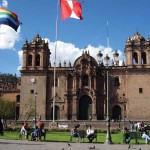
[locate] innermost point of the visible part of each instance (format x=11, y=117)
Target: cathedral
x=85, y=88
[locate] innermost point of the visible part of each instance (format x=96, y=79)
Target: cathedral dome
x=85, y=60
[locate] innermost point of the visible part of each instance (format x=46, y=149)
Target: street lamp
x=105, y=66
x=35, y=95
x=33, y=81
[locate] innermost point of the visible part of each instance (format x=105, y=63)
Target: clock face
x=33, y=80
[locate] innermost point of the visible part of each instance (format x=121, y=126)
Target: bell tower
x=36, y=54
x=137, y=52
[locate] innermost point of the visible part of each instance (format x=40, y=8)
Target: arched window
x=85, y=80
x=135, y=58
x=38, y=60
x=116, y=82
x=143, y=58
x=30, y=60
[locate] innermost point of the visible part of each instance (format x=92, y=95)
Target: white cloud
x=20, y=55
x=8, y=37
x=5, y=3
x=68, y=52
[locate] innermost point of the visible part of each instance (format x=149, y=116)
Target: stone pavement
x=31, y=145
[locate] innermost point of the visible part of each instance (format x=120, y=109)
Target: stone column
x=66, y=89
x=95, y=82
x=42, y=64
x=139, y=58
x=74, y=109
x=33, y=59
x=94, y=116
x=90, y=82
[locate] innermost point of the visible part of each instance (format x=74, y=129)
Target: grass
x=58, y=136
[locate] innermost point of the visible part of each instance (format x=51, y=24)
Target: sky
x=124, y=18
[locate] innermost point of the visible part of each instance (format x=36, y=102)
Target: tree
x=7, y=110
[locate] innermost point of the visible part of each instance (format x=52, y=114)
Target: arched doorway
x=57, y=113
x=116, y=112
x=85, y=107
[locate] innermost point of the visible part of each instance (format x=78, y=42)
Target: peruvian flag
x=70, y=9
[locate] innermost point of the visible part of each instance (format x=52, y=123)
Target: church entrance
x=85, y=108
x=116, y=113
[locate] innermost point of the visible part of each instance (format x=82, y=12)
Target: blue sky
x=125, y=18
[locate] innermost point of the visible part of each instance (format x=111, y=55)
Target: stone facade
x=81, y=90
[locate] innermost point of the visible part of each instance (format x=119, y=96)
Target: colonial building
x=81, y=89
x=11, y=91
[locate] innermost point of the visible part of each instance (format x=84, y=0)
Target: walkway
x=31, y=145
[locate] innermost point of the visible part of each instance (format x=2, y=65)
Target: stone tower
x=36, y=55
x=137, y=52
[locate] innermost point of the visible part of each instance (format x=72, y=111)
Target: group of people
x=36, y=131
x=90, y=133
x=137, y=126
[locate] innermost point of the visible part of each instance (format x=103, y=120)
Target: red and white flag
x=70, y=9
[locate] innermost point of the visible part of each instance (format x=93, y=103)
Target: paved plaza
x=31, y=145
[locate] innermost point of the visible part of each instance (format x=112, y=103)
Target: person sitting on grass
x=126, y=136
x=90, y=134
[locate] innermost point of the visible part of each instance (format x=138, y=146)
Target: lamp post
x=106, y=67
x=123, y=110
x=35, y=95
x=33, y=81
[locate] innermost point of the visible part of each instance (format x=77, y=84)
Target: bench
x=95, y=132
x=135, y=135
x=30, y=133
x=82, y=136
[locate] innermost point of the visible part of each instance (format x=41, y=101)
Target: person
x=139, y=126
x=146, y=137
x=40, y=130
x=34, y=134
x=126, y=136
x=1, y=127
x=24, y=130
x=90, y=134
x=75, y=132
x=90, y=117
x=131, y=125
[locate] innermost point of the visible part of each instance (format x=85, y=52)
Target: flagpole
x=107, y=36
x=56, y=36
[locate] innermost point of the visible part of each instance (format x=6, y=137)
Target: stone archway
x=57, y=113
x=85, y=108
x=116, y=112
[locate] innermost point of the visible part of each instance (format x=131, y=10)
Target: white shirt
x=89, y=131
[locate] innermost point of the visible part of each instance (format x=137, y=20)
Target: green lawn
x=117, y=138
